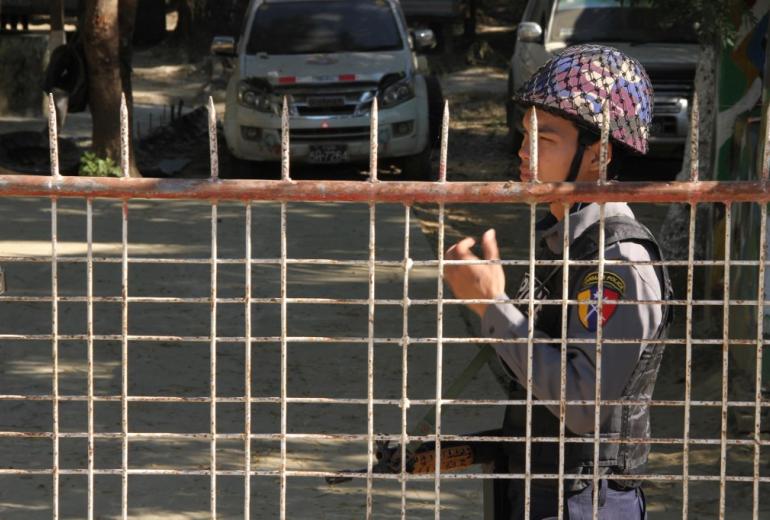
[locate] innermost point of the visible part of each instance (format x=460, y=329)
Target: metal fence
x=372, y=193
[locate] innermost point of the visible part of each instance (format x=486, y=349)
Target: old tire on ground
x=418, y=167
x=435, y=110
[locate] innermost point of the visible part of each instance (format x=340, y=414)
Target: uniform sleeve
x=637, y=282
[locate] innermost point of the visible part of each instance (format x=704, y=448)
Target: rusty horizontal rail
x=382, y=192
x=359, y=339
x=379, y=402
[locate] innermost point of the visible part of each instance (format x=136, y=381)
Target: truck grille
x=315, y=135
x=330, y=100
x=670, y=87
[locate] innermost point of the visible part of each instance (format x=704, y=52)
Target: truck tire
x=150, y=28
x=418, y=167
x=435, y=110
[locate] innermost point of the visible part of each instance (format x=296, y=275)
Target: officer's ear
x=595, y=151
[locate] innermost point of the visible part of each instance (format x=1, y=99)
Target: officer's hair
x=589, y=136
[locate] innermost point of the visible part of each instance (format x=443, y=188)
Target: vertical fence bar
x=90, y=351
x=405, y=359
x=370, y=365
x=440, y=317
x=694, y=138
x=604, y=143
x=442, y=163
x=285, y=141
x=53, y=138
x=214, y=164
x=213, y=363
x=563, y=360
x=370, y=318
x=725, y=362
x=285, y=176
x=213, y=146
x=284, y=347
x=533, y=170
x=765, y=175
x=439, y=356
x=765, y=169
x=53, y=145
x=373, y=140
x=124, y=166
x=760, y=346
x=533, y=138
x=688, y=362
x=694, y=175
x=598, y=385
x=603, y=155
x=247, y=373
x=530, y=337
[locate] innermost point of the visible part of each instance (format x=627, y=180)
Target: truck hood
x=654, y=56
x=315, y=68
x=659, y=56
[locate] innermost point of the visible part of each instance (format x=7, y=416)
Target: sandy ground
x=169, y=368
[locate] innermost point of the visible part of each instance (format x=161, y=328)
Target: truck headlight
x=396, y=93
x=259, y=99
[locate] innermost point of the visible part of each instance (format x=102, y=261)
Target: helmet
x=576, y=83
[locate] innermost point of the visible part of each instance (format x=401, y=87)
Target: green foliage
x=716, y=21
x=93, y=166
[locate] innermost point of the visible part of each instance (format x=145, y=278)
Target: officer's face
x=557, y=144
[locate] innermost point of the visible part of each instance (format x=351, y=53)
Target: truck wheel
x=418, y=167
x=235, y=168
x=435, y=110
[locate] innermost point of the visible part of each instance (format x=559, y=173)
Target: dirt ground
x=475, y=84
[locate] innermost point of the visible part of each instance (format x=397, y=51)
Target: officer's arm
x=638, y=282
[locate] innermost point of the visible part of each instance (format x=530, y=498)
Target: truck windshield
x=310, y=27
x=580, y=21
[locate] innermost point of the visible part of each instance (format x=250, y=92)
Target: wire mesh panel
x=207, y=348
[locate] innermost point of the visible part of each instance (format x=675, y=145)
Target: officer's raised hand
x=475, y=282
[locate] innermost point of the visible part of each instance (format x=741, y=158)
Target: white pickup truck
x=330, y=59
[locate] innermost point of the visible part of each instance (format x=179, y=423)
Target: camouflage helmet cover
x=577, y=81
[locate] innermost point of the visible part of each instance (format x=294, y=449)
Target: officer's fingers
x=461, y=250
x=489, y=245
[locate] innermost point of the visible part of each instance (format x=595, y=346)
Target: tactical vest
x=629, y=421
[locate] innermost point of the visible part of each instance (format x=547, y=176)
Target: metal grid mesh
x=287, y=191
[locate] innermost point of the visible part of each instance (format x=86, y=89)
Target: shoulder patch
x=612, y=290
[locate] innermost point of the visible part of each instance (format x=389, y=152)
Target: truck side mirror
x=424, y=39
x=223, y=46
x=530, y=32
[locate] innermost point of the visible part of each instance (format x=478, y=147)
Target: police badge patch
x=613, y=288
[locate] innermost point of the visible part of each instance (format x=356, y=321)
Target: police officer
x=568, y=93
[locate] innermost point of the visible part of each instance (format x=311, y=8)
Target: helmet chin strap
x=585, y=139
x=577, y=160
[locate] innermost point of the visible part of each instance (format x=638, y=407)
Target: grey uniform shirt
x=634, y=282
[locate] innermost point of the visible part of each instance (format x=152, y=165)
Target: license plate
x=326, y=101
x=328, y=154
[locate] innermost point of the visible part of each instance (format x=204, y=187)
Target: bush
x=93, y=166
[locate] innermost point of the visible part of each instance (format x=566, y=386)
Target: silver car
x=330, y=59
x=669, y=53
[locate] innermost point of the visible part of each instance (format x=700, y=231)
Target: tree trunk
x=675, y=228
x=108, y=37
